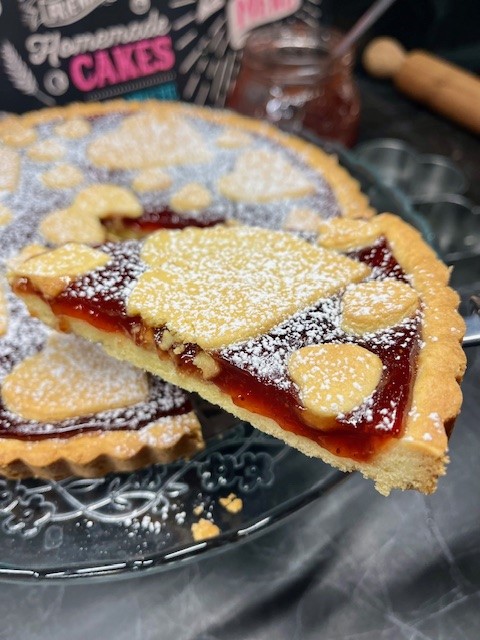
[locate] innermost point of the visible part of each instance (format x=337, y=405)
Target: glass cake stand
x=127, y=525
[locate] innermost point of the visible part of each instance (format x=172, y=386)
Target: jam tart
x=93, y=172
x=346, y=345
x=97, y=172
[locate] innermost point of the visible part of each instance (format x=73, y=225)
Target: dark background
x=449, y=28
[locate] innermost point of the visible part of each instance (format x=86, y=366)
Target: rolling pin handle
x=383, y=57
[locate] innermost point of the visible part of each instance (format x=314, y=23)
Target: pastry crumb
x=204, y=529
x=232, y=503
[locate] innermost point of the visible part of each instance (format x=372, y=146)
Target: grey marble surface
x=353, y=565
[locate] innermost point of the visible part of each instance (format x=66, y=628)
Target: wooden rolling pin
x=440, y=85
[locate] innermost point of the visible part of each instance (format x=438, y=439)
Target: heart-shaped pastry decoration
x=46, y=150
x=147, y=140
x=71, y=378
x=372, y=306
x=52, y=271
x=302, y=218
x=191, y=197
x=73, y=129
x=152, y=179
x=65, y=226
x=101, y=200
x=345, y=235
x=262, y=176
x=69, y=260
x=18, y=134
x=81, y=221
x=324, y=375
x=218, y=286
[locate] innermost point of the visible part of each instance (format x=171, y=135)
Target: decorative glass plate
x=132, y=524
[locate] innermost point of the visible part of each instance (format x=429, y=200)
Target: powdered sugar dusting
x=220, y=285
x=266, y=357
x=32, y=199
x=67, y=367
x=112, y=284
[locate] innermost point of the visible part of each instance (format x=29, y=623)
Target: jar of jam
x=288, y=77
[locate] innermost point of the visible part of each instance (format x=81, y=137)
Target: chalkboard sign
x=58, y=51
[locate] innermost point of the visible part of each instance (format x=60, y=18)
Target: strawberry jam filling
x=357, y=435
x=159, y=218
x=254, y=373
x=360, y=434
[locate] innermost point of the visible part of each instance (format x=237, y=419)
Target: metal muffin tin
x=435, y=186
x=424, y=178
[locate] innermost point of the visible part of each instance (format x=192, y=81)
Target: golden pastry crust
x=417, y=458
x=96, y=453
x=436, y=398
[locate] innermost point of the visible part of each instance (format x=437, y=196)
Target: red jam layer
x=164, y=218
x=99, y=299
x=357, y=435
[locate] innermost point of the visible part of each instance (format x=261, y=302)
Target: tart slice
x=66, y=407
x=347, y=346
